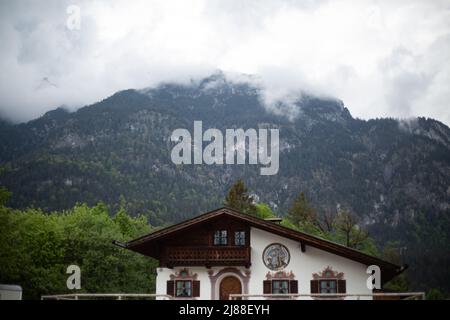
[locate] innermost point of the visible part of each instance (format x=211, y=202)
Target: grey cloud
x=382, y=58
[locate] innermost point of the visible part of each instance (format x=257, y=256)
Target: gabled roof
x=388, y=270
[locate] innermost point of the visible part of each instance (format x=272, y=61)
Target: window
x=183, y=288
x=220, y=237
x=329, y=281
x=239, y=238
x=280, y=286
x=183, y=284
x=328, y=286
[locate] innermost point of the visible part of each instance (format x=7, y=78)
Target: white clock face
x=276, y=256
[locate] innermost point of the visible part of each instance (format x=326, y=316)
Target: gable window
x=183, y=288
x=280, y=286
x=239, y=238
x=328, y=286
x=220, y=237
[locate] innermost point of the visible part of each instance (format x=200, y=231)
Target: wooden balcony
x=208, y=256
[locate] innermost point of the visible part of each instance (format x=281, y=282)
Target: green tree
x=263, y=211
x=36, y=248
x=346, y=225
x=435, y=294
x=31, y=251
x=341, y=227
x=239, y=199
x=391, y=253
x=301, y=212
x=4, y=195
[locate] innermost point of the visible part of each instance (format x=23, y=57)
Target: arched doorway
x=229, y=285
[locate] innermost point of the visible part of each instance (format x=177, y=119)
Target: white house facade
x=225, y=252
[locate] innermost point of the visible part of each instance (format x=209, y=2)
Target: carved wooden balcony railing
x=207, y=256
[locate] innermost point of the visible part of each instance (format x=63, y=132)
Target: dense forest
x=36, y=248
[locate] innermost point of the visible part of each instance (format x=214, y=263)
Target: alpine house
x=225, y=252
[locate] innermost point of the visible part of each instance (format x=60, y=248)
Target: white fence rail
x=107, y=296
x=331, y=296
x=322, y=296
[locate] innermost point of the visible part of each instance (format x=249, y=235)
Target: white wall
x=302, y=264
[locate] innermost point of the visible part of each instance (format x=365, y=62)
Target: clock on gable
x=276, y=256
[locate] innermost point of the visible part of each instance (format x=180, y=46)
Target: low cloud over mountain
x=383, y=58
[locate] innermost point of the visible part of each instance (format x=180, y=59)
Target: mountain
x=394, y=174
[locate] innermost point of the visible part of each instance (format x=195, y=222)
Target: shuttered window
x=328, y=286
x=281, y=286
x=183, y=288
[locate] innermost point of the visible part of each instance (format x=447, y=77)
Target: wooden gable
x=194, y=245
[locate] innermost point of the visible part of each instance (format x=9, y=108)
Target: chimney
x=274, y=220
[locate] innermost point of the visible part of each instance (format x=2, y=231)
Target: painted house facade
x=225, y=252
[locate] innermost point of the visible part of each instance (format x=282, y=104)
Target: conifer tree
x=301, y=212
x=239, y=199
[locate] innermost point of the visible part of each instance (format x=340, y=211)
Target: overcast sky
x=382, y=58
